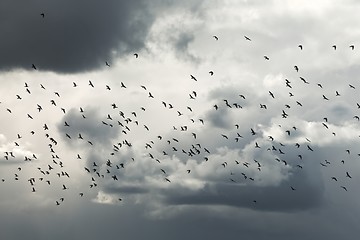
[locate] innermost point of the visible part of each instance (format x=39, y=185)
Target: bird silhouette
x=193, y=78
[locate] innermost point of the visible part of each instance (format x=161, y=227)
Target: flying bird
x=247, y=38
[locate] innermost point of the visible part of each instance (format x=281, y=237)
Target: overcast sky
x=179, y=119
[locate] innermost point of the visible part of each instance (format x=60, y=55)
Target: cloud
x=210, y=197
x=91, y=128
x=73, y=36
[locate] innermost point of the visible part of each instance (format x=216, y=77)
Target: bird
x=136, y=55
x=352, y=47
x=271, y=94
x=296, y=68
x=247, y=38
x=107, y=64
x=224, y=136
x=42, y=15
x=266, y=57
x=215, y=37
x=300, y=46
x=33, y=66
x=334, y=47
x=348, y=175
x=193, y=78
x=303, y=79
x=252, y=131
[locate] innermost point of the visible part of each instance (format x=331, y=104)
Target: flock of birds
x=125, y=122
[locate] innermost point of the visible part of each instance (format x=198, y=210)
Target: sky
x=172, y=119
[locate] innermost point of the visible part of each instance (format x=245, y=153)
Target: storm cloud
x=73, y=36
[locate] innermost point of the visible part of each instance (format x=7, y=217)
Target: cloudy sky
x=179, y=119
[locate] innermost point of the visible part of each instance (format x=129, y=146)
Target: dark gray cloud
x=73, y=36
x=91, y=128
x=220, y=118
